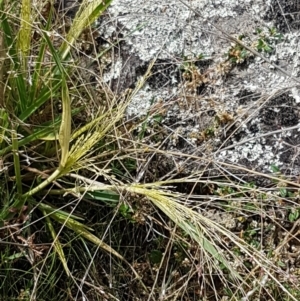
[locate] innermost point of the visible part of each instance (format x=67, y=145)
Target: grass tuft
x=94, y=206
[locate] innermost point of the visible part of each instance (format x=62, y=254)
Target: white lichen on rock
x=170, y=31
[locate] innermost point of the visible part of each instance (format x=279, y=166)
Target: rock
x=198, y=71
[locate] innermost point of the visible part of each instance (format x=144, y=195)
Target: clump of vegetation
x=82, y=213
x=264, y=42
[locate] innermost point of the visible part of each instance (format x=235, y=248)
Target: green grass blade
x=17, y=79
x=65, y=127
x=38, y=63
x=55, y=55
x=69, y=221
x=111, y=198
x=17, y=166
x=55, y=82
x=22, y=92
x=45, y=95
x=56, y=244
x=48, y=131
x=9, y=39
x=3, y=124
x=24, y=36
x=58, y=212
x=82, y=230
x=44, y=131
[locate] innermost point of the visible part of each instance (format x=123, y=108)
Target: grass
x=75, y=222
